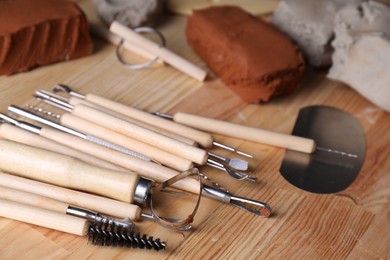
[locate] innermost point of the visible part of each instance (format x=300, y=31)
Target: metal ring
x=173, y=223
x=148, y=63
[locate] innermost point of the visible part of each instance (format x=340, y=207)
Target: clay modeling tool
x=13, y=133
x=325, y=152
x=204, y=139
x=66, y=171
x=101, y=118
x=161, y=52
x=41, y=217
x=103, y=231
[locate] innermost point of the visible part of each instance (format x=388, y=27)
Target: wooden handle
x=19, y=135
x=204, y=139
x=105, y=34
x=75, y=101
x=66, y=171
x=33, y=199
x=167, y=159
x=76, y=198
x=247, y=133
x=148, y=169
x=42, y=217
x=165, y=54
x=141, y=134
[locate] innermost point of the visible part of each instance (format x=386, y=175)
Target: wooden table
x=353, y=224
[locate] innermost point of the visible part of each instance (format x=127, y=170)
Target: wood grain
x=352, y=224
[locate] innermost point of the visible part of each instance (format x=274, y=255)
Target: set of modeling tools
x=117, y=157
x=102, y=156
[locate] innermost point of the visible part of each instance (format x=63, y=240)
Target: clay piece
x=132, y=13
x=310, y=24
x=250, y=55
x=186, y=7
x=41, y=32
x=362, y=51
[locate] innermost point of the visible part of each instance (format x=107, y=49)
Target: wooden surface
x=353, y=224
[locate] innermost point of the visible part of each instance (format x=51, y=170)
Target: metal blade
x=340, y=155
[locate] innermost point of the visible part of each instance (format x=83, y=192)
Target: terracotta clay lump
x=250, y=55
x=41, y=32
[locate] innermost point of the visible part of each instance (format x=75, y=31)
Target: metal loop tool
x=142, y=65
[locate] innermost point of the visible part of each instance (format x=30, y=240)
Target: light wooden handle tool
x=165, y=54
x=155, y=127
x=141, y=134
x=32, y=199
x=247, y=133
x=66, y=171
x=43, y=217
x=76, y=198
x=161, y=156
x=16, y=134
x=204, y=139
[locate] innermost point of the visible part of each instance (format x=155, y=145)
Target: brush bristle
x=104, y=234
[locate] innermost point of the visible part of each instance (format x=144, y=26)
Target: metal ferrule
x=29, y=127
x=24, y=125
x=96, y=217
x=142, y=192
x=216, y=193
x=81, y=213
x=164, y=115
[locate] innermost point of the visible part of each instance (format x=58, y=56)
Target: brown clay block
x=250, y=55
x=41, y=32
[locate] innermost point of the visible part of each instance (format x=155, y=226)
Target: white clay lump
x=310, y=24
x=361, y=56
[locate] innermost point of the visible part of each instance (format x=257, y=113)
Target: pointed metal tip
x=163, y=115
x=244, y=154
